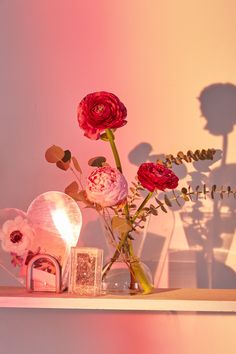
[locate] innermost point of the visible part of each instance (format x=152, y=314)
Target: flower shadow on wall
x=209, y=226
x=159, y=234
x=218, y=107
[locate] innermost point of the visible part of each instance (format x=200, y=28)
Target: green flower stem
x=110, y=137
x=116, y=254
x=142, y=205
x=138, y=272
x=141, y=277
x=135, y=265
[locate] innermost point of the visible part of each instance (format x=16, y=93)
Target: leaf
x=187, y=158
x=167, y=201
x=164, y=209
x=133, y=190
x=184, y=190
x=153, y=210
x=83, y=196
x=161, y=205
x=160, y=162
x=72, y=188
x=158, y=202
x=178, y=161
x=185, y=197
x=197, y=154
x=210, y=153
x=181, y=155
x=67, y=156
x=121, y=225
x=97, y=161
x=104, y=137
x=192, y=155
x=54, y=154
x=76, y=164
x=63, y=165
x=133, y=206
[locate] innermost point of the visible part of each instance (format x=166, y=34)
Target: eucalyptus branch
x=185, y=195
x=77, y=177
x=135, y=193
x=188, y=157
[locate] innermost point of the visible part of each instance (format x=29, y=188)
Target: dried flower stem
x=76, y=176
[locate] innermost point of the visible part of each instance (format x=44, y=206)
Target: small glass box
x=86, y=271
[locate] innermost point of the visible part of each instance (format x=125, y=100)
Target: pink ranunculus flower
x=154, y=176
x=99, y=111
x=16, y=236
x=106, y=186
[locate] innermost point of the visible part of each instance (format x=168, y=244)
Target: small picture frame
x=86, y=271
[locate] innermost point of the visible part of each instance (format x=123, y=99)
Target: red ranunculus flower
x=156, y=176
x=99, y=111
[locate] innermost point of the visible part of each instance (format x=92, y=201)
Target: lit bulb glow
x=65, y=227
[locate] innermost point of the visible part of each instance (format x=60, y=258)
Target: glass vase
x=123, y=272
x=120, y=280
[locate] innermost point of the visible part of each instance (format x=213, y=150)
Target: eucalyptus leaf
x=184, y=190
x=72, y=187
x=54, y=154
x=121, y=225
x=72, y=190
x=76, y=164
x=63, y=165
x=153, y=211
x=163, y=209
x=67, y=156
x=97, y=161
x=185, y=197
x=167, y=201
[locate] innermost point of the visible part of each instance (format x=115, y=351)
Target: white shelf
x=204, y=300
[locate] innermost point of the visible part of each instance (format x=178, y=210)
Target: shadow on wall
x=209, y=225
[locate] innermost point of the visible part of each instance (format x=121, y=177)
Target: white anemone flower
x=16, y=235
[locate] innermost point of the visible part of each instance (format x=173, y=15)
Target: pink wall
x=157, y=56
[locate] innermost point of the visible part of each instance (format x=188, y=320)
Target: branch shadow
x=209, y=226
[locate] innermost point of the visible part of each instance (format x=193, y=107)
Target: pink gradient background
x=156, y=56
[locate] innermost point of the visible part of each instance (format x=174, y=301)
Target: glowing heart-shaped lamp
x=51, y=226
x=56, y=219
